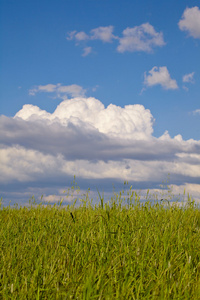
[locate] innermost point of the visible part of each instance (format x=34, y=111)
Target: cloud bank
x=98, y=144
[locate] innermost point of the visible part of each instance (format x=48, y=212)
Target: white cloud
x=30, y=111
x=140, y=38
x=128, y=122
x=160, y=75
x=50, y=88
x=19, y=163
x=78, y=36
x=73, y=90
x=188, y=77
x=86, y=51
x=98, y=144
x=23, y=164
x=81, y=36
x=105, y=34
x=190, y=22
x=197, y=111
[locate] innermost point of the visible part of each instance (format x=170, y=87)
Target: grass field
x=116, y=250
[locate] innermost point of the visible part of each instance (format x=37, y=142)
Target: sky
x=106, y=90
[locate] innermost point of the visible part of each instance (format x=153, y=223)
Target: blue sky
x=99, y=85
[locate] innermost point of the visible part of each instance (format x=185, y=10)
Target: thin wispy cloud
x=196, y=112
x=190, y=22
x=103, y=33
x=86, y=51
x=60, y=90
x=189, y=77
x=78, y=36
x=160, y=76
x=139, y=38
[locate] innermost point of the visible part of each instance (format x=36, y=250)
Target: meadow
x=122, y=249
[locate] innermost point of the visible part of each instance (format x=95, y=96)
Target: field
x=124, y=249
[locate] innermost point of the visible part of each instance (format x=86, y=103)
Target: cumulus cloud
x=98, y=144
x=189, y=77
x=105, y=34
x=140, y=38
x=190, y=22
x=81, y=36
x=160, y=76
x=128, y=122
x=61, y=91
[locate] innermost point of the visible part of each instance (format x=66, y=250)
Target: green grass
x=114, y=250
